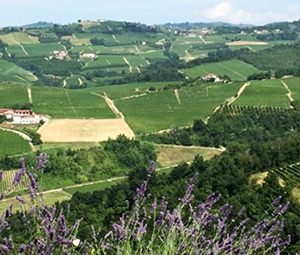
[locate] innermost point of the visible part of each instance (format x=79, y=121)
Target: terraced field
x=235, y=69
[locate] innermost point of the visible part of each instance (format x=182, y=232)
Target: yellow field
x=83, y=130
x=246, y=43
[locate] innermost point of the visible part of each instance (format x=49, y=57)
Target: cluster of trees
x=68, y=166
x=97, y=41
x=227, y=174
x=282, y=56
x=259, y=76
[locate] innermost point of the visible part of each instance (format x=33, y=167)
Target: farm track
x=177, y=96
x=229, y=101
x=29, y=94
x=289, y=94
x=127, y=62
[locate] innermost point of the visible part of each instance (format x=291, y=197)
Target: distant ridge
x=188, y=25
x=39, y=24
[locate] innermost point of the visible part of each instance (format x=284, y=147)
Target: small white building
x=88, y=55
x=211, y=76
x=27, y=119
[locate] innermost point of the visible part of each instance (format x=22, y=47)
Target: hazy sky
x=257, y=12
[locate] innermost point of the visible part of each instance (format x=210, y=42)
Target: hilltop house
x=21, y=116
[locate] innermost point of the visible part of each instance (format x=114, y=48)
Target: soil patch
x=83, y=130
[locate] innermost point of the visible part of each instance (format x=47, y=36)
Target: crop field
x=18, y=38
x=155, y=55
x=264, y=93
x=12, y=143
x=10, y=72
x=75, y=80
x=104, y=61
x=235, y=69
x=160, y=110
x=63, y=103
x=83, y=130
x=130, y=90
x=11, y=94
x=294, y=85
x=7, y=179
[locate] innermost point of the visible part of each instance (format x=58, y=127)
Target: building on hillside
x=8, y=113
x=60, y=54
x=22, y=116
x=211, y=77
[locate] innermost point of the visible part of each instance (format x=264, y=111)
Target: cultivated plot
x=11, y=94
x=64, y=103
x=264, y=93
x=162, y=109
x=293, y=84
x=10, y=72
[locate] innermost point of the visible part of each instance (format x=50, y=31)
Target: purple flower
x=151, y=168
x=276, y=201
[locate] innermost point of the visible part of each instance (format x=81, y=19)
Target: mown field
x=12, y=144
x=264, y=93
x=64, y=103
x=235, y=69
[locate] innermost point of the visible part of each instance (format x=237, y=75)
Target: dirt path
x=201, y=38
x=80, y=81
x=29, y=94
x=232, y=99
x=114, y=37
x=289, y=94
x=177, y=96
x=64, y=83
x=7, y=52
x=127, y=62
x=134, y=96
x=138, y=69
x=110, y=104
x=137, y=49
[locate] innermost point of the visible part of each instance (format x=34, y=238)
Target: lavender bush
x=152, y=229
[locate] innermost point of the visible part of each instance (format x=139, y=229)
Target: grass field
x=12, y=144
x=11, y=94
x=63, y=103
x=235, y=69
x=264, y=93
x=160, y=110
x=10, y=72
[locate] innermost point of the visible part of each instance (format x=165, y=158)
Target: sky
x=255, y=12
